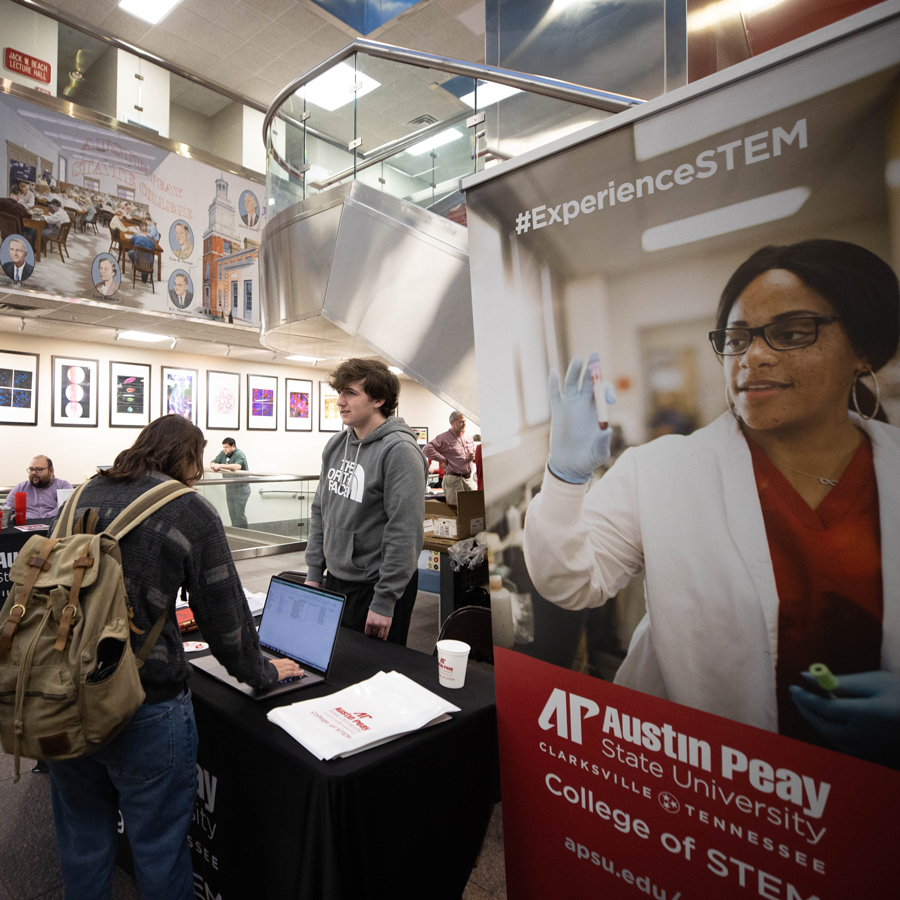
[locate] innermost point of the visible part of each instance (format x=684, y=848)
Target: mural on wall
x=117, y=194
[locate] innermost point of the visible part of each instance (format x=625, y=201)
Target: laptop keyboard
x=292, y=678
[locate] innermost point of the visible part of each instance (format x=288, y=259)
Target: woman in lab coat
x=770, y=540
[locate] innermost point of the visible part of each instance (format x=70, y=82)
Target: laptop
x=299, y=623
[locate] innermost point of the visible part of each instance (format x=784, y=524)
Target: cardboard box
x=455, y=524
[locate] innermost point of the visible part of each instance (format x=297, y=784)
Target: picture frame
x=19, y=387
x=178, y=395
x=129, y=394
x=421, y=434
x=262, y=403
x=223, y=401
x=297, y=410
x=329, y=417
x=74, y=388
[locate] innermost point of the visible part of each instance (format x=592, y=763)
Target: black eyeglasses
x=789, y=334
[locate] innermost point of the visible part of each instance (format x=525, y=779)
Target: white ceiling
x=255, y=47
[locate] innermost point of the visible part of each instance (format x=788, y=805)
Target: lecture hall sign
x=27, y=65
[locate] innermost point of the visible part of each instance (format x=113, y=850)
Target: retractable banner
x=699, y=694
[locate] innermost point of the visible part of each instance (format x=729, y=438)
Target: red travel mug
x=21, y=507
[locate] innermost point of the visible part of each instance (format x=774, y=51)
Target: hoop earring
x=731, y=408
x=877, y=395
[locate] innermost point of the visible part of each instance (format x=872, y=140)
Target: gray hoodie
x=367, y=517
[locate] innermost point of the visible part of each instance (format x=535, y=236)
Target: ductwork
x=361, y=269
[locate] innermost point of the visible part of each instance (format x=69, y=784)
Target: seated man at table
x=40, y=489
x=23, y=196
x=11, y=208
x=145, y=242
x=116, y=224
x=367, y=518
x=152, y=230
x=55, y=221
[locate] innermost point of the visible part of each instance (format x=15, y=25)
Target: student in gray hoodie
x=366, y=524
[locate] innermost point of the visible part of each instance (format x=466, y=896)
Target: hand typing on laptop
x=287, y=668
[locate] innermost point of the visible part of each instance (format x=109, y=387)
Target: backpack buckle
x=39, y=563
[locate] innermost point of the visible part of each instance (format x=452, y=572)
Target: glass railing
x=262, y=514
x=412, y=124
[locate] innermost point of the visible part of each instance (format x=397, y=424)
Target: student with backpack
x=148, y=769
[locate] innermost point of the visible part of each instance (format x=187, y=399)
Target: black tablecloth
x=405, y=820
x=11, y=542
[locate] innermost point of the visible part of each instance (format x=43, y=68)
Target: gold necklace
x=829, y=482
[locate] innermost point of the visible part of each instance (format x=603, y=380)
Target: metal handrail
x=534, y=84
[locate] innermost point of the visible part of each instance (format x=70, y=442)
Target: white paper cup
x=452, y=659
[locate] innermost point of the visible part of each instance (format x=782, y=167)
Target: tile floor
x=29, y=864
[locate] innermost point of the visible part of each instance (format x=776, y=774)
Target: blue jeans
x=148, y=771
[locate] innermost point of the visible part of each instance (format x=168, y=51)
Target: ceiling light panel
x=151, y=11
x=334, y=88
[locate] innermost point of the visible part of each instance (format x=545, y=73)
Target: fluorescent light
x=395, y=369
x=151, y=11
x=332, y=89
x=438, y=140
x=312, y=359
x=725, y=220
x=143, y=336
x=489, y=93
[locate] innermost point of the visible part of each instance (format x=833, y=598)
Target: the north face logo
x=348, y=481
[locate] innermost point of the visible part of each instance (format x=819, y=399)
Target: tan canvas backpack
x=69, y=680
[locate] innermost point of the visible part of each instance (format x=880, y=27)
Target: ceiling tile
x=396, y=34
x=248, y=59
x=455, y=7
x=184, y=23
x=421, y=20
x=163, y=43
x=227, y=74
x=474, y=19
x=423, y=43
x=304, y=56
x=301, y=21
x=208, y=9
x=280, y=72
x=242, y=21
x=271, y=9
x=125, y=26
x=471, y=51
x=260, y=88
x=276, y=39
x=196, y=59
x=330, y=39
x=220, y=42
x=450, y=34
x=87, y=10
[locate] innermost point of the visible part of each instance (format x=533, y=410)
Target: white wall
x=76, y=451
x=152, y=92
x=25, y=30
x=253, y=151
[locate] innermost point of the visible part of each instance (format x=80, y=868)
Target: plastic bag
x=469, y=553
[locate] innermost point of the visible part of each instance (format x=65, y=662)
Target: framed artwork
x=18, y=387
x=129, y=395
x=262, y=402
x=179, y=392
x=74, y=392
x=329, y=417
x=421, y=434
x=223, y=401
x=298, y=408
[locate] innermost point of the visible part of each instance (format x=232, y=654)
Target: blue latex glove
x=863, y=719
x=577, y=445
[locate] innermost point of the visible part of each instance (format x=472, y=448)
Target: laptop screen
x=300, y=622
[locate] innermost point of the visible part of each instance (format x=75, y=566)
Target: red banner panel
x=608, y=792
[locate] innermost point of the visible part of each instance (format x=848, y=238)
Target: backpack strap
x=132, y=516
x=64, y=522
x=144, y=507
x=36, y=564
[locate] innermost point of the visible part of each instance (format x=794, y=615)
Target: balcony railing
x=413, y=124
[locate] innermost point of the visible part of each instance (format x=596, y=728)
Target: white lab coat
x=686, y=510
